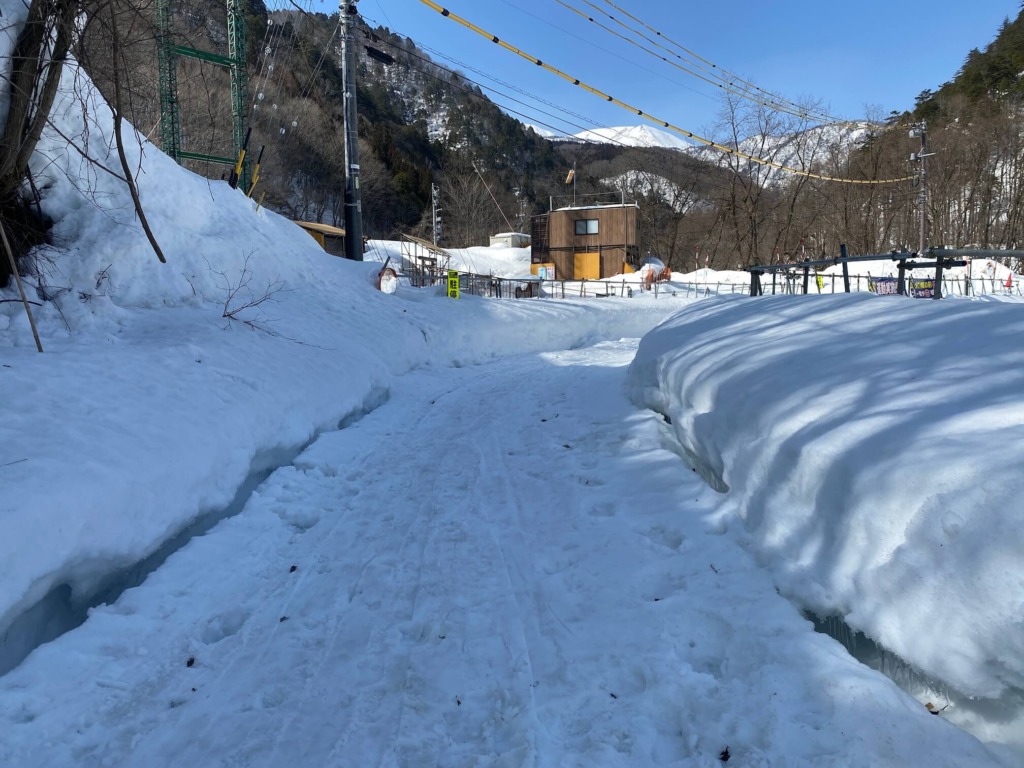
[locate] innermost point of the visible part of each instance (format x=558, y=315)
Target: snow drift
x=872, y=447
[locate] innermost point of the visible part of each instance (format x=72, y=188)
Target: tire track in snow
x=427, y=599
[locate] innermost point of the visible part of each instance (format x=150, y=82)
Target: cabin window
x=586, y=226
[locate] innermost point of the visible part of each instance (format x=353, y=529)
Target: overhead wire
x=511, y=86
x=291, y=130
x=710, y=81
x=729, y=84
x=531, y=118
x=267, y=65
x=589, y=124
x=270, y=34
x=320, y=62
x=282, y=121
x=736, y=152
x=545, y=20
x=592, y=124
x=708, y=181
x=726, y=73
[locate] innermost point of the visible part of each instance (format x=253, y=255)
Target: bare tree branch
x=129, y=179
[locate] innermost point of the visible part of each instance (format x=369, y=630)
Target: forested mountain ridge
x=987, y=77
x=419, y=123
x=415, y=111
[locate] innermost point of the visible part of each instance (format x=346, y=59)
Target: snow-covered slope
x=803, y=151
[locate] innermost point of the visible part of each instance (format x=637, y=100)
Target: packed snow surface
x=257, y=513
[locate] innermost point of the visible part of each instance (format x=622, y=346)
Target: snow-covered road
x=503, y=565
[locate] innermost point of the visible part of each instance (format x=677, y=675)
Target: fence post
x=846, y=269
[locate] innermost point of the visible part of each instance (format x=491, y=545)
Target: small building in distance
x=331, y=239
x=511, y=239
x=585, y=242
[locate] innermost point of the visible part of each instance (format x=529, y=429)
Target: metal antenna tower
x=235, y=62
x=920, y=130
x=435, y=199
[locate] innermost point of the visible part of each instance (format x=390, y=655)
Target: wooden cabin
x=585, y=242
x=331, y=239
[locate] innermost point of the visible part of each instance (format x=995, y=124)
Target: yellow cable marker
x=707, y=142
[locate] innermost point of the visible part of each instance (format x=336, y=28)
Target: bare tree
x=471, y=214
x=37, y=61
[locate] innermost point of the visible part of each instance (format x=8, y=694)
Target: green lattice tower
x=239, y=82
x=236, y=64
x=170, y=121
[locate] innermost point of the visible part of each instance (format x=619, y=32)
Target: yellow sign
x=453, y=284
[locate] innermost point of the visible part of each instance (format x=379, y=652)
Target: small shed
x=331, y=239
x=585, y=242
x=511, y=239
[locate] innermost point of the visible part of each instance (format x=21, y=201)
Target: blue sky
x=855, y=59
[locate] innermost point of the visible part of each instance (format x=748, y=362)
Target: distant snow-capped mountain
x=633, y=136
x=802, y=151
x=543, y=132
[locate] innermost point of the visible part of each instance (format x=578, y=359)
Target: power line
x=590, y=89
x=698, y=57
x=518, y=7
x=592, y=124
x=708, y=179
x=515, y=88
x=725, y=81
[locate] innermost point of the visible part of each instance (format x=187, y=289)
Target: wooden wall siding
x=563, y=261
x=616, y=235
x=539, y=246
x=616, y=225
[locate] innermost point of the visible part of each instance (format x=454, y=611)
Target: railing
x=951, y=286
x=511, y=288
x=492, y=287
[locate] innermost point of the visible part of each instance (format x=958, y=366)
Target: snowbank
x=873, y=447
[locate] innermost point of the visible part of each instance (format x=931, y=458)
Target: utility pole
x=435, y=198
x=920, y=130
x=353, y=204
